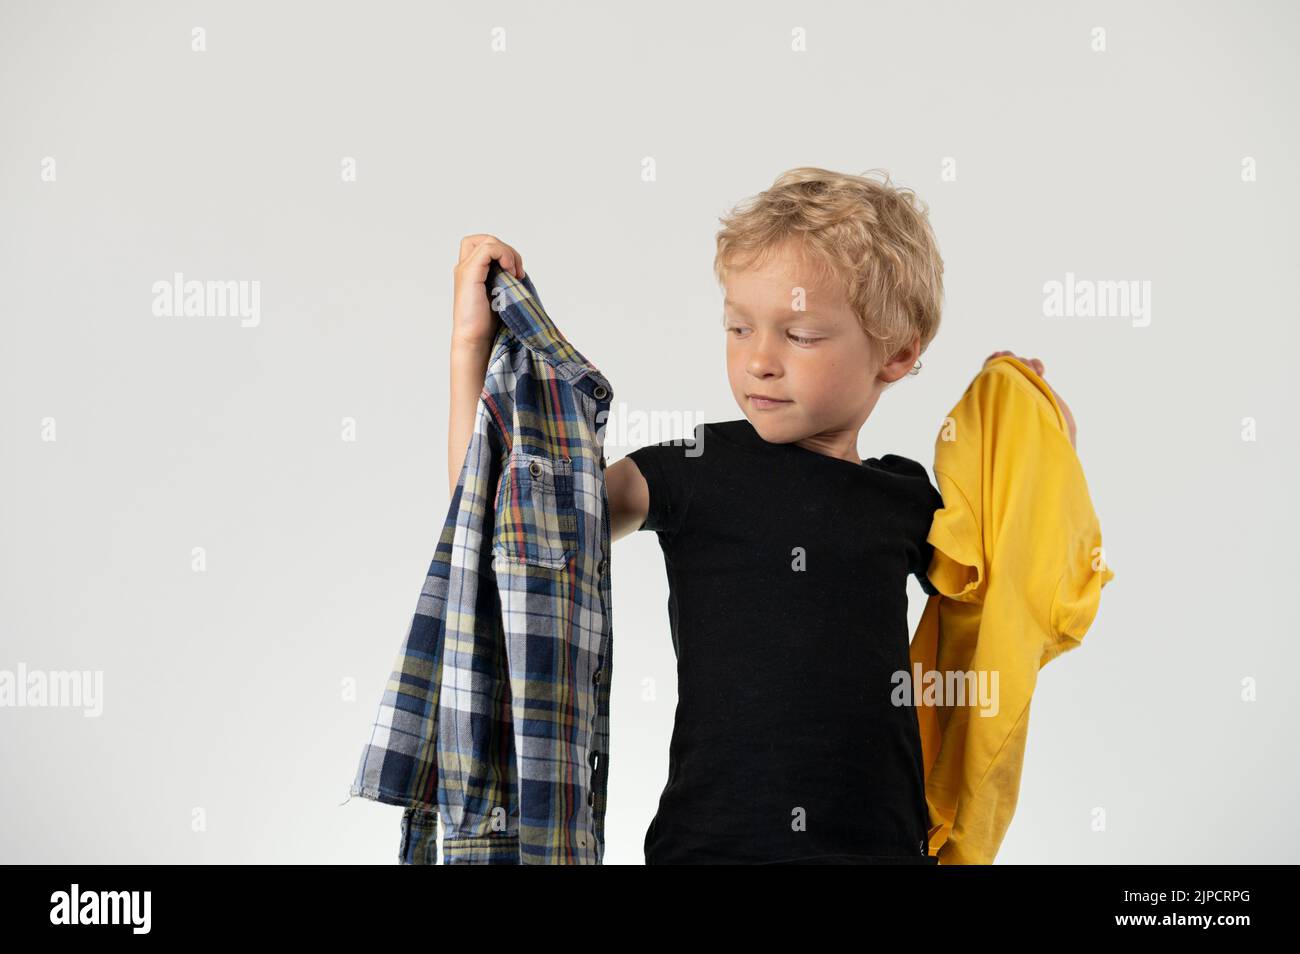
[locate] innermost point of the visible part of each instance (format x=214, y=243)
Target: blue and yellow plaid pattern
x=496, y=715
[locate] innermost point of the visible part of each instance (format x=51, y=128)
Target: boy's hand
x=472, y=319
x=1038, y=369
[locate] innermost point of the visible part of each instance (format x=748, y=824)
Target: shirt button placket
x=601, y=393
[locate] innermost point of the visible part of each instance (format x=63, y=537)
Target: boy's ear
x=902, y=361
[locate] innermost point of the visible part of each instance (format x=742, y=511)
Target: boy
x=787, y=555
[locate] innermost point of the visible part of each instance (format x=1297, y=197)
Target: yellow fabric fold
x=1019, y=569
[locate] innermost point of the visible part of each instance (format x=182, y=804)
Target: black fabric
x=786, y=674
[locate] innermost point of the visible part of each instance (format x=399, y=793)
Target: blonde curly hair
x=871, y=237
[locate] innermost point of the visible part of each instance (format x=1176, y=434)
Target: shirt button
x=535, y=469
x=595, y=678
x=591, y=797
x=602, y=566
x=601, y=392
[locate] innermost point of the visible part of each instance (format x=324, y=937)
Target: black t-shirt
x=787, y=574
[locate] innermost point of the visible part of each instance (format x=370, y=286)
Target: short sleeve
x=1078, y=592
x=956, y=536
x=669, y=475
x=928, y=501
x=922, y=570
x=934, y=505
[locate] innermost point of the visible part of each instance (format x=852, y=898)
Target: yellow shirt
x=1019, y=569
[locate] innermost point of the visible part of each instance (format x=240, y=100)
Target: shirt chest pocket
x=536, y=516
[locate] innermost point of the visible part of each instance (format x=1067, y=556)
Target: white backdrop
x=227, y=520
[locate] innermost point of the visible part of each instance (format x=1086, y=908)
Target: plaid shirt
x=496, y=715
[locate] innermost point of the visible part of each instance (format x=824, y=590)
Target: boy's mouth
x=763, y=403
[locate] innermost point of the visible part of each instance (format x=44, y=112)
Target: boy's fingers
x=469, y=242
x=512, y=260
x=519, y=261
x=501, y=252
x=481, y=249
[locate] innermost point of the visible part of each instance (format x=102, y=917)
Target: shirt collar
x=520, y=309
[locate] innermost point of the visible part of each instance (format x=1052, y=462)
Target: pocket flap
x=536, y=518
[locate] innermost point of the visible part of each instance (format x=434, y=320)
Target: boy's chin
x=773, y=431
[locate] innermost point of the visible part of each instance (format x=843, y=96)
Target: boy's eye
x=796, y=338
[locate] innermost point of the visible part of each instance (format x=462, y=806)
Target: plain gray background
x=242, y=696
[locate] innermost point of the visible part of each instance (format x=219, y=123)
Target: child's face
x=819, y=360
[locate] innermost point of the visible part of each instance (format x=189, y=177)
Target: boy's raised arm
x=473, y=329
